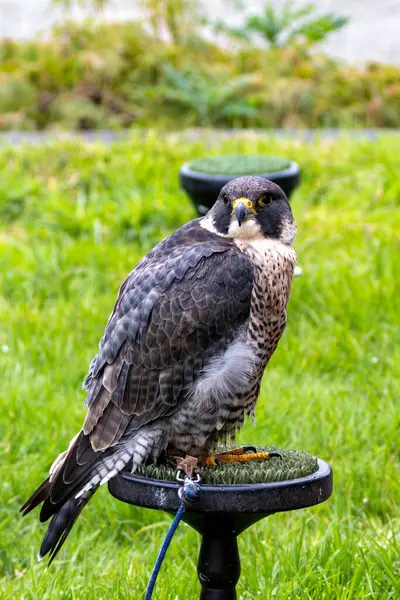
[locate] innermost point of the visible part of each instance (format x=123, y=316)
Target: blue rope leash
x=163, y=551
x=188, y=493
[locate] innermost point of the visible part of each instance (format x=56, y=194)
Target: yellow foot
x=237, y=455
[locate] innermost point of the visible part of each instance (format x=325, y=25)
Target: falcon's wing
x=179, y=307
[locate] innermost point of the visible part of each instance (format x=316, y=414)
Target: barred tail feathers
x=73, y=480
x=76, y=475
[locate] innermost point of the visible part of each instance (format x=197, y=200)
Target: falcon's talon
x=275, y=455
x=249, y=449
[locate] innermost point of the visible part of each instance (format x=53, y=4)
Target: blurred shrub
x=90, y=76
x=283, y=25
x=207, y=99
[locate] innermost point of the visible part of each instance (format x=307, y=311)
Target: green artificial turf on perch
x=292, y=465
x=239, y=164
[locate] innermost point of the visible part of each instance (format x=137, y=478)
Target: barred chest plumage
x=273, y=265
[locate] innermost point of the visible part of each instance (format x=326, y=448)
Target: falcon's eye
x=225, y=199
x=264, y=200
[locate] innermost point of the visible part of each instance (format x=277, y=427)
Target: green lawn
x=75, y=218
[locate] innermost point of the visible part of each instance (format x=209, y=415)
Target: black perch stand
x=222, y=513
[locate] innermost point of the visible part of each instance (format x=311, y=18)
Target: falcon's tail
x=62, y=521
x=74, y=478
x=61, y=524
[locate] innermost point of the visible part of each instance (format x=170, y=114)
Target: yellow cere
x=249, y=204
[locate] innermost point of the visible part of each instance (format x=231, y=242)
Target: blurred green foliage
x=176, y=20
x=283, y=25
x=163, y=72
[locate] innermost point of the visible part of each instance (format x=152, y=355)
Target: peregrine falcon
x=184, y=350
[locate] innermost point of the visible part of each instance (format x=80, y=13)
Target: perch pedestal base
x=222, y=513
x=218, y=566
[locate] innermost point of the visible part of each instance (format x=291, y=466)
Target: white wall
x=373, y=32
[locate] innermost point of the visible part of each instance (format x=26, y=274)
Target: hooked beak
x=242, y=207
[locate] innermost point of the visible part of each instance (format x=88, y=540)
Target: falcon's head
x=251, y=207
